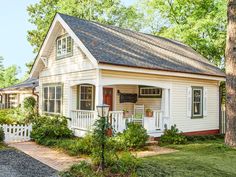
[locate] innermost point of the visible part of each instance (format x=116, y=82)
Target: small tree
x=230, y=57
x=29, y=106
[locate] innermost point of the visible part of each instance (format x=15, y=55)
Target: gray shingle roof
x=113, y=45
x=27, y=84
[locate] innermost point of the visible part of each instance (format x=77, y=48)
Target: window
x=149, y=92
x=64, y=47
x=197, y=102
x=85, y=93
x=52, y=99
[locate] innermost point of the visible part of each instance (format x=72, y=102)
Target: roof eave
x=189, y=74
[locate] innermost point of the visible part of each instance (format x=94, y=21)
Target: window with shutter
x=197, y=102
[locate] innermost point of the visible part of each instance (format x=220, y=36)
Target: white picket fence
x=16, y=133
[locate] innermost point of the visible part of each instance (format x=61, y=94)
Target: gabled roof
x=27, y=84
x=116, y=46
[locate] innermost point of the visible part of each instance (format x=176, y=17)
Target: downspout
x=37, y=98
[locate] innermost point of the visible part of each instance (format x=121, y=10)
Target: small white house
x=14, y=95
x=155, y=81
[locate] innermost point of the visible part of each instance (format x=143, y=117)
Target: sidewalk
x=54, y=159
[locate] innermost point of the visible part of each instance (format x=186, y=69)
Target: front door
x=107, y=97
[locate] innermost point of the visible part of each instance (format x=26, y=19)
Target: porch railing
x=6, y=105
x=117, y=121
x=82, y=119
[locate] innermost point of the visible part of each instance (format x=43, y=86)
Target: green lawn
x=211, y=158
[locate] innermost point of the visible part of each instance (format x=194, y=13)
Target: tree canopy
x=110, y=12
x=200, y=24
x=8, y=75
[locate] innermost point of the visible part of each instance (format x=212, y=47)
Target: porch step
x=151, y=143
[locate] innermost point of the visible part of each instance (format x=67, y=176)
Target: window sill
x=51, y=113
x=64, y=56
x=197, y=117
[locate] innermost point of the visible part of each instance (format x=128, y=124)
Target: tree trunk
x=230, y=57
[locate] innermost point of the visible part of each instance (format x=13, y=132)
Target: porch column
x=165, y=105
x=98, y=95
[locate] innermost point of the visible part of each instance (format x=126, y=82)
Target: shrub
x=5, y=116
x=172, y=136
x=204, y=137
x=82, y=169
x=135, y=136
x=2, y=135
x=50, y=127
x=125, y=165
x=29, y=103
x=76, y=146
x=29, y=108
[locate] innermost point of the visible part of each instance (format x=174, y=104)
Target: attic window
x=64, y=47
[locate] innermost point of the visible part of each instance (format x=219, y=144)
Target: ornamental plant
x=172, y=136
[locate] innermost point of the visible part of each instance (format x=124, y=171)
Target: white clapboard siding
x=16, y=133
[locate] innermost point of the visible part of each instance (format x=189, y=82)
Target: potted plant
x=125, y=113
x=149, y=113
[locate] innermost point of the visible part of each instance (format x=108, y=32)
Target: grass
x=2, y=146
x=209, y=158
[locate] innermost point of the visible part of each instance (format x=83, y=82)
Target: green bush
x=135, y=136
x=5, y=116
x=204, y=137
x=125, y=165
x=2, y=135
x=72, y=146
x=172, y=136
x=50, y=127
x=29, y=108
x=82, y=169
x=76, y=146
x=29, y=103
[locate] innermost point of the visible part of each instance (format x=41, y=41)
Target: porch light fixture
x=103, y=110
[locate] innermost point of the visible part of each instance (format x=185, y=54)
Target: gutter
x=37, y=96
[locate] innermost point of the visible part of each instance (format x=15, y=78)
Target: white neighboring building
x=14, y=95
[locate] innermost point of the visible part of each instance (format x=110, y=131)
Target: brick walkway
x=153, y=151
x=54, y=159
x=61, y=161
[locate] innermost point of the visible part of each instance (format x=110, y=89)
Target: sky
x=14, y=47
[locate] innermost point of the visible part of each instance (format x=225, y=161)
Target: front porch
x=128, y=103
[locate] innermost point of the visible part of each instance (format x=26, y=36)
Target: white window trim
x=201, y=103
x=145, y=88
x=48, y=86
x=92, y=98
x=65, y=54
